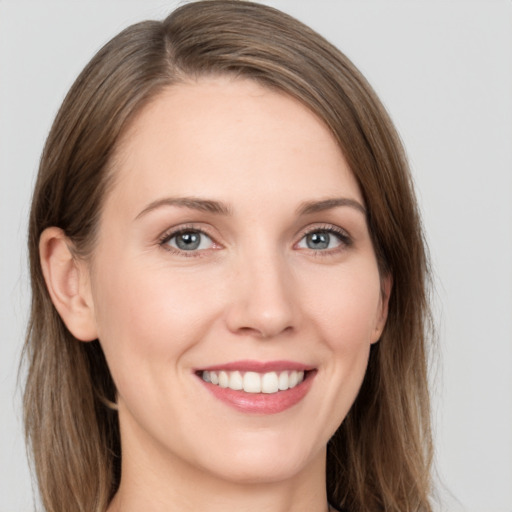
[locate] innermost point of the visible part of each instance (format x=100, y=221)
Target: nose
x=262, y=300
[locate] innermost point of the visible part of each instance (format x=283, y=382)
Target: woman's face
x=233, y=252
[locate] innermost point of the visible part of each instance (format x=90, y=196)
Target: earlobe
x=386, y=287
x=68, y=284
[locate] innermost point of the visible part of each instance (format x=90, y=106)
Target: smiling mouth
x=257, y=387
x=254, y=382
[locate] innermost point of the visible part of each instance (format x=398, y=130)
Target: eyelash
x=344, y=238
x=169, y=235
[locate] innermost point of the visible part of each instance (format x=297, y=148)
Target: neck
x=256, y=498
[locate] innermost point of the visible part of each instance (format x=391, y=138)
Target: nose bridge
x=262, y=292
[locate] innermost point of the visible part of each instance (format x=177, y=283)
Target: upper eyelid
x=183, y=228
x=333, y=228
x=173, y=234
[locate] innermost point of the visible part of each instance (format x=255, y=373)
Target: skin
x=253, y=290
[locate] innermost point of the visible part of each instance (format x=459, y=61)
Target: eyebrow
x=193, y=203
x=310, y=207
x=219, y=208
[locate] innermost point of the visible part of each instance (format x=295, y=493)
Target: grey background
x=444, y=71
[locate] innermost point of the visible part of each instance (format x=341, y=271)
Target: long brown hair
x=379, y=458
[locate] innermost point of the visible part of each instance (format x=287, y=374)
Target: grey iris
x=318, y=240
x=188, y=241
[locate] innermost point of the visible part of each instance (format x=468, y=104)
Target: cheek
x=148, y=317
x=346, y=306
x=345, y=312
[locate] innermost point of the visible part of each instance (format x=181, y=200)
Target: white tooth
x=223, y=379
x=235, y=381
x=252, y=382
x=270, y=383
x=283, y=381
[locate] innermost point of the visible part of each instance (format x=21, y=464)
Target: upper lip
x=258, y=366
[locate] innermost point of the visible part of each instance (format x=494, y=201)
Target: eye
x=324, y=239
x=188, y=240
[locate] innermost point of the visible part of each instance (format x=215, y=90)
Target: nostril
x=266, y=330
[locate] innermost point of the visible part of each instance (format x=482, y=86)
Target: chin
x=265, y=461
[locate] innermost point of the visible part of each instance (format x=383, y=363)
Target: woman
x=228, y=272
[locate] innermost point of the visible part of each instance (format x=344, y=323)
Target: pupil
x=318, y=240
x=188, y=241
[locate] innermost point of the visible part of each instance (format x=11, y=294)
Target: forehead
x=227, y=136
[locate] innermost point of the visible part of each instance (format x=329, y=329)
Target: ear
x=68, y=283
x=386, y=285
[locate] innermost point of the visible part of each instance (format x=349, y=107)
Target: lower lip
x=262, y=403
